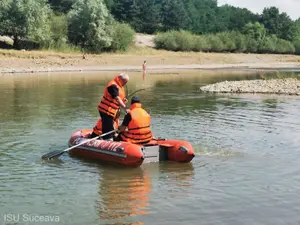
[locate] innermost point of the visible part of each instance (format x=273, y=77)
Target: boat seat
x=155, y=153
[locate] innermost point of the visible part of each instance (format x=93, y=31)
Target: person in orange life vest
x=137, y=122
x=97, y=130
x=112, y=100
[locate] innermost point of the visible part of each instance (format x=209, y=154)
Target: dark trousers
x=107, y=125
x=118, y=138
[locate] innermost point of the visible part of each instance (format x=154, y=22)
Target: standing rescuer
x=112, y=100
x=97, y=129
x=137, y=121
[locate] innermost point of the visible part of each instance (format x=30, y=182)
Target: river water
x=246, y=171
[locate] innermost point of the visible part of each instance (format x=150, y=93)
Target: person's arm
x=114, y=92
x=127, y=119
x=122, y=129
x=121, y=103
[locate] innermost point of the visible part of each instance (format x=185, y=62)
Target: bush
x=297, y=47
x=29, y=44
x=185, y=40
x=175, y=41
x=228, y=42
x=201, y=43
x=284, y=47
x=59, y=31
x=165, y=41
x=215, y=43
x=239, y=40
x=122, y=37
x=252, y=44
x=267, y=45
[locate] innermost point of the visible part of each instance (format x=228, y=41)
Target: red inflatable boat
x=129, y=154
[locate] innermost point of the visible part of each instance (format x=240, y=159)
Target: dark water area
x=246, y=170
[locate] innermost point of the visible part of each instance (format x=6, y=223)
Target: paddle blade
x=53, y=154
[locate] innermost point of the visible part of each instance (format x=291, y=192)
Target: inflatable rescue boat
x=128, y=154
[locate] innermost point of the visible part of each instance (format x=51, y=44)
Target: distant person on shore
x=137, y=122
x=112, y=100
x=144, y=70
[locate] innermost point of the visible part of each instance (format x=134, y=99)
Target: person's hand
x=125, y=101
x=118, y=130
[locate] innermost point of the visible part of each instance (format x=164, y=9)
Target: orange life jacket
x=139, y=127
x=109, y=105
x=98, y=127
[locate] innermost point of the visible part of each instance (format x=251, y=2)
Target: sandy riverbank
x=12, y=61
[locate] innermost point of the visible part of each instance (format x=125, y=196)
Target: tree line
x=109, y=25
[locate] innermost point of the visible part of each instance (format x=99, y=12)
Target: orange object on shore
x=129, y=154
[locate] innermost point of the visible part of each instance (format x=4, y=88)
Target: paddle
x=57, y=153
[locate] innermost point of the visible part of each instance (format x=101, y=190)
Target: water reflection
x=177, y=180
x=124, y=194
x=178, y=175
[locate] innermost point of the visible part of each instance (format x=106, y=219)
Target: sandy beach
x=12, y=61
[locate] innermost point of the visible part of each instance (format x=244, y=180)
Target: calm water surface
x=247, y=168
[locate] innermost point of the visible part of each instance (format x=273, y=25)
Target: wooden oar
x=57, y=153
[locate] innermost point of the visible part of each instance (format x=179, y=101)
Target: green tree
x=201, y=16
x=296, y=31
x=233, y=18
x=146, y=16
x=25, y=19
x=109, y=3
x=297, y=47
x=270, y=19
x=59, y=30
x=174, y=16
x=61, y=5
x=89, y=25
x=286, y=27
x=191, y=15
x=277, y=23
x=122, y=37
x=255, y=30
x=123, y=10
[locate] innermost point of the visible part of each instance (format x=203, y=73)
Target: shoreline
x=12, y=61
x=268, y=67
